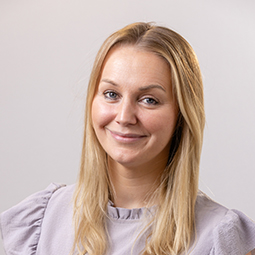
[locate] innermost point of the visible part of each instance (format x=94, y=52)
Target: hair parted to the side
x=173, y=224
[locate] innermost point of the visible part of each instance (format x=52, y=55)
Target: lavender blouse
x=42, y=225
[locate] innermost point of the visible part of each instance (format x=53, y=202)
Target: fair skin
x=134, y=114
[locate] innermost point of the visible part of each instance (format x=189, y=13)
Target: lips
x=125, y=137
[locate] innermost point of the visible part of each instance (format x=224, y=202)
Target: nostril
x=126, y=115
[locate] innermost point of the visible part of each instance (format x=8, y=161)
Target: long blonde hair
x=173, y=224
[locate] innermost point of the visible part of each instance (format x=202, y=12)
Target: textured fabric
x=42, y=225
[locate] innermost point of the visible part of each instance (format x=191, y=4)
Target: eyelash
x=107, y=95
x=116, y=96
x=155, y=102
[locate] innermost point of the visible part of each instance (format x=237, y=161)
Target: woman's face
x=134, y=112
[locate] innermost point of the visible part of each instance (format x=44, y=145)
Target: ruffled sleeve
x=21, y=225
x=235, y=235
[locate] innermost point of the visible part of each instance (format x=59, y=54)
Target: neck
x=133, y=185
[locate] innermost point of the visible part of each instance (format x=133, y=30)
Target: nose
x=126, y=113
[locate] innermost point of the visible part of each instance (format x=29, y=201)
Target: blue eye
x=150, y=101
x=111, y=95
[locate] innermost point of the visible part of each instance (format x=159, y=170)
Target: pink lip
x=125, y=137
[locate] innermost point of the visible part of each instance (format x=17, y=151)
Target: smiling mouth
x=129, y=137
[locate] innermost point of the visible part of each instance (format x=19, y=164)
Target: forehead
x=125, y=50
x=131, y=63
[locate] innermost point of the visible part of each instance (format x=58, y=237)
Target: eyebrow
x=152, y=86
x=109, y=81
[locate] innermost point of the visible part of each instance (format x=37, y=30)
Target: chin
x=126, y=161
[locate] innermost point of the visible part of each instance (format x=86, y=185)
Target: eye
x=111, y=95
x=150, y=101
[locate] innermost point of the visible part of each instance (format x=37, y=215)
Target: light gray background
x=46, y=52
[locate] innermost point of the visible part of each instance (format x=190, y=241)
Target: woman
x=138, y=185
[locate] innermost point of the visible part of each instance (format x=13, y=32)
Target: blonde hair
x=173, y=225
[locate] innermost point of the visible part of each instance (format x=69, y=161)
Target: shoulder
x=21, y=225
x=222, y=230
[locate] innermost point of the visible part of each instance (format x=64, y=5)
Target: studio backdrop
x=47, y=49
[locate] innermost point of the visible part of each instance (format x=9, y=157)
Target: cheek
x=162, y=124
x=101, y=114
